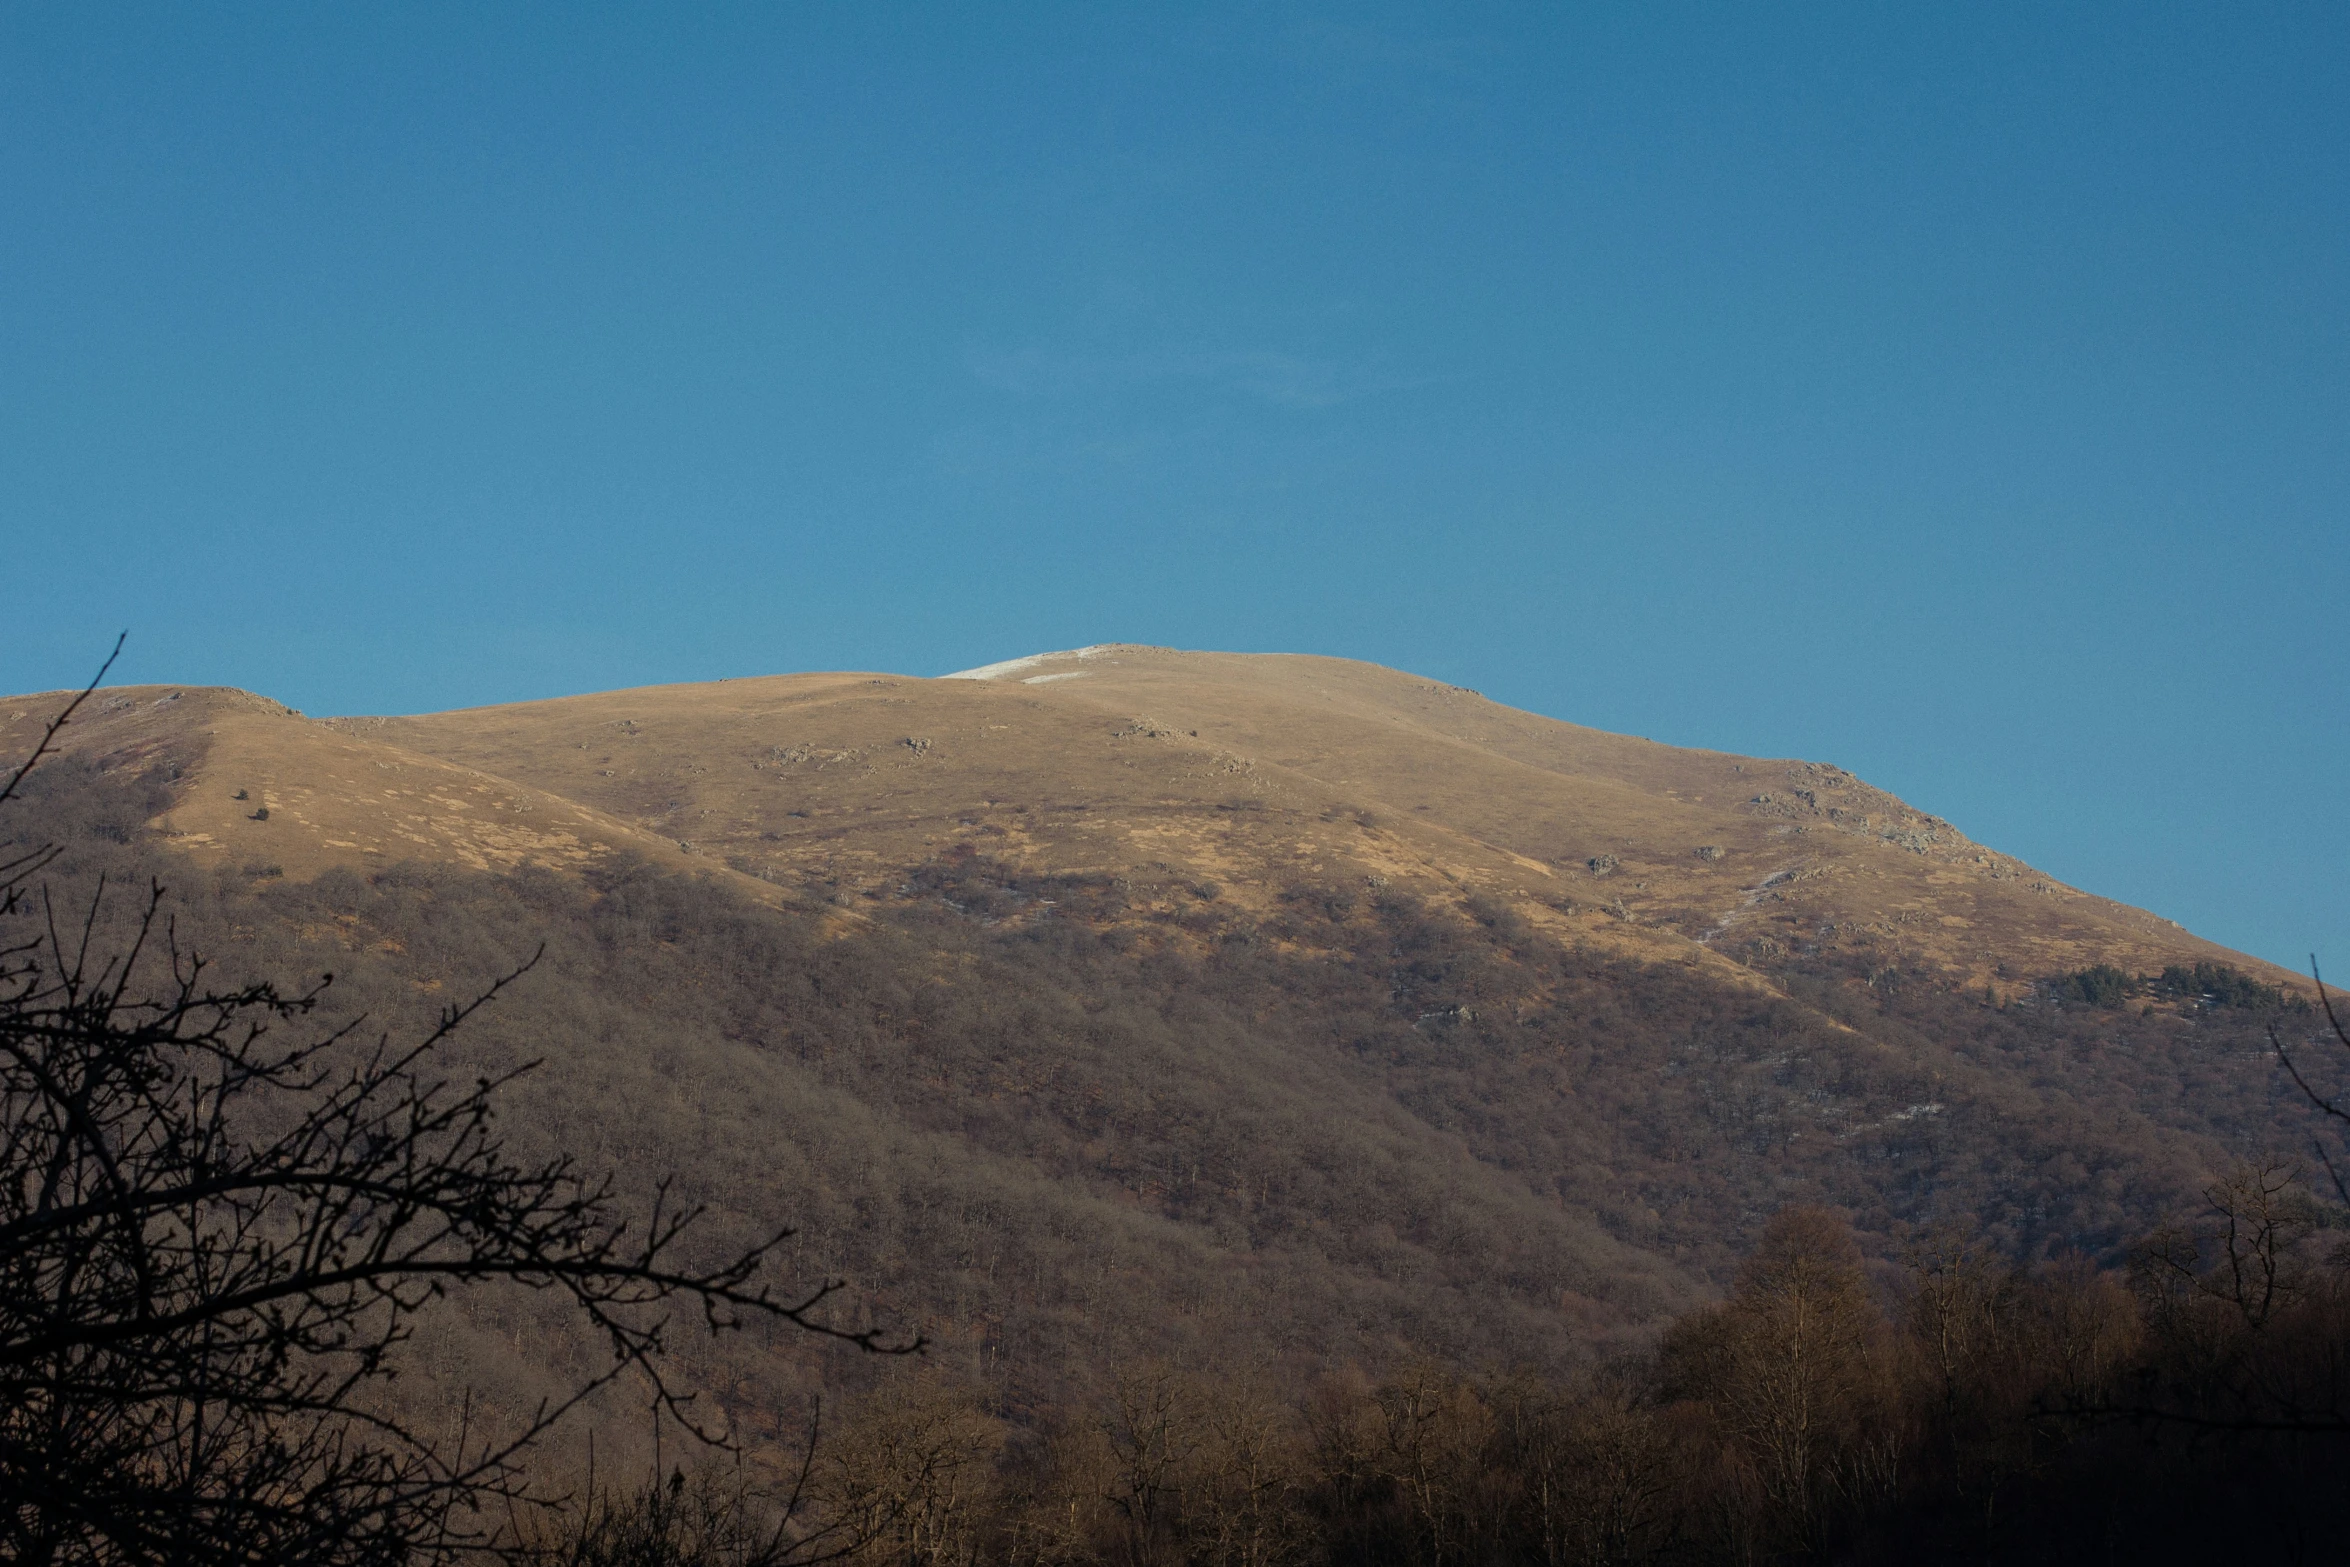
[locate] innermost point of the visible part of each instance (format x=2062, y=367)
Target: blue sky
x=1958, y=394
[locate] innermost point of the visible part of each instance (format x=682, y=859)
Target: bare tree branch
x=49, y=733
x=221, y=1220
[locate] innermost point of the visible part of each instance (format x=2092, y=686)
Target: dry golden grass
x=1159, y=768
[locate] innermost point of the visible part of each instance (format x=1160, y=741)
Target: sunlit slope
x=1253, y=774
x=255, y=784
x=1260, y=772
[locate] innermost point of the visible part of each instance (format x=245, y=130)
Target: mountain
x=1163, y=770
x=1257, y=1009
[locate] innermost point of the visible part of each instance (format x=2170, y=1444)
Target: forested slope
x=1350, y=1124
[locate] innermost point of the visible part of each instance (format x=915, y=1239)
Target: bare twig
x=2324, y=1103
x=65, y=714
x=193, y=1309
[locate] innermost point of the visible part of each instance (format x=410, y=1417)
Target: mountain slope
x=1276, y=1010
x=254, y=780
x=1250, y=770
x=1159, y=768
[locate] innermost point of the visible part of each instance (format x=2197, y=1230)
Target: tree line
x=1948, y=1406
x=2200, y=984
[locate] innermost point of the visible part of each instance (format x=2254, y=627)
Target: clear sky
x=1955, y=393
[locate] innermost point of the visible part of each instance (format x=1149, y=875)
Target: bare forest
x=1373, y=1231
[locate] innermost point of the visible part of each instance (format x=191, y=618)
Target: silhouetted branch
x=213, y=1242
x=49, y=732
x=2327, y=1105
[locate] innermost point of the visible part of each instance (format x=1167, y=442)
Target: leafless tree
x=219, y=1221
x=1795, y=1372
x=912, y=1474
x=2329, y=1105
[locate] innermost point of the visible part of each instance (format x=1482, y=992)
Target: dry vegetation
x=1340, y=1224
x=1158, y=771
x=1960, y=1408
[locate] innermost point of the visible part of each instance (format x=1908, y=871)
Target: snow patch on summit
x=1017, y=666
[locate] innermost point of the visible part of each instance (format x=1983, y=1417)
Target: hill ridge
x=1138, y=761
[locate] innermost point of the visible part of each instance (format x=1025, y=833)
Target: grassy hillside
x=1161, y=771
